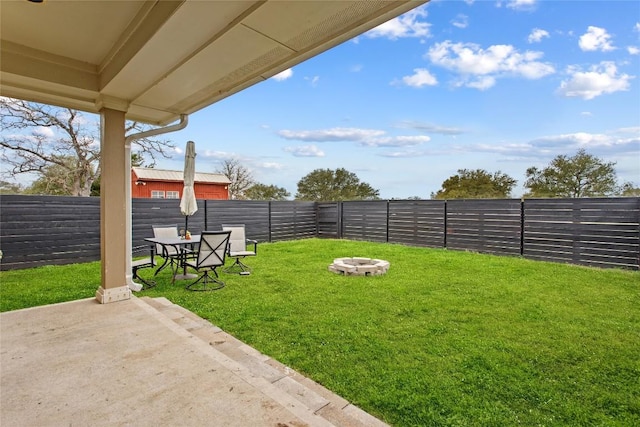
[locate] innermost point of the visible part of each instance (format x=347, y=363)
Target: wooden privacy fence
x=602, y=232
x=44, y=230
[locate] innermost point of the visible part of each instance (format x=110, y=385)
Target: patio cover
x=157, y=61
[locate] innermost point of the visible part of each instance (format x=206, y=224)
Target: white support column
x=114, y=225
x=136, y=287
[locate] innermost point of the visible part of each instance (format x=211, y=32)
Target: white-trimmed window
x=173, y=195
x=157, y=194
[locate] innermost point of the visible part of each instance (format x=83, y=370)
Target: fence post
x=444, y=237
x=387, y=238
x=340, y=231
x=269, y=220
x=521, y=227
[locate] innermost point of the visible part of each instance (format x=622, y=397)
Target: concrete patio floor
x=148, y=362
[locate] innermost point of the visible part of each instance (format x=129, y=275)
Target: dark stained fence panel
x=365, y=220
x=488, y=226
x=38, y=231
x=145, y=213
x=292, y=220
x=417, y=222
x=328, y=220
x=253, y=214
x=601, y=232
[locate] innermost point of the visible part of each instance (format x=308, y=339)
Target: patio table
x=180, y=245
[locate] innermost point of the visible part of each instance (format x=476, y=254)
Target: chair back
x=213, y=248
x=238, y=239
x=165, y=231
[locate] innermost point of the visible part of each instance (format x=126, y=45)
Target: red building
x=163, y=184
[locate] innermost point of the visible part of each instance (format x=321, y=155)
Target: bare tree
x=36, y=137
x=240, y=177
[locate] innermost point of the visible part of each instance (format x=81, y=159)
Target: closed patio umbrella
x=188, y=204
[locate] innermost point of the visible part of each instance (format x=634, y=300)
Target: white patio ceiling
x=157, y=60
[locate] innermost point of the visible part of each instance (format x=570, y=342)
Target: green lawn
x=444, y=338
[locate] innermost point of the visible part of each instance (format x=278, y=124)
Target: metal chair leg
x=238, y=267
x=206, y=283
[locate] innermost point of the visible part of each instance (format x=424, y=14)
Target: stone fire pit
x=357, y=266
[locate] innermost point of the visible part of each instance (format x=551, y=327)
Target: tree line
x=580, y=175
x=62, y=149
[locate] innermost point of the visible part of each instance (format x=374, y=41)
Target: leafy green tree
x=43, y=139
x=56, y=179
x=137, y=160
x=407, y=198
x=328, y=185
x=582, y=175
x=476, y=184
x=7, y=187
x=240, y=177
x=629, y=190
x=266, y=192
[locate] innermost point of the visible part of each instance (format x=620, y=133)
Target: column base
x=105, y=296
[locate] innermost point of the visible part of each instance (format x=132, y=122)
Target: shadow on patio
x=149, y=362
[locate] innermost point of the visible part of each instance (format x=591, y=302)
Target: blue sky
x=495, y=85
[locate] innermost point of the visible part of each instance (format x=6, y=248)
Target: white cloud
x=599, y=80
x=305, y=151
x=356, y=68
x=634, y=130
x=396, y=141
x=45, y=132
x=216, y=155
x=333, y=134
x=577, y=139
x=404, y=154
x=620, y=141
x=429, y=128
x=481, y=83
x=521, y=4
x=284, y=75
x=406, y=25
x=313, y=80
x=469, y=60
x=420, y=77
x=633, y=50
x=537, y=35
x=637, y=27
x=595, y=38
x=507, y=149
x=271, y=166
x=364, y=137
x=461, y=21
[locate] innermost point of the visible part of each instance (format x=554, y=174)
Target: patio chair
x=210, y=255
x=168, y=253
x=138, y=264
x=238, y=245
